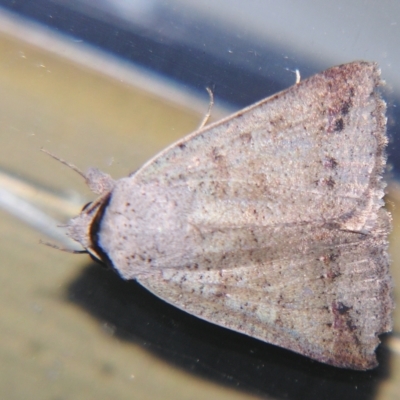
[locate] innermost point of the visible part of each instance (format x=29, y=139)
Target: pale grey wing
x=328, y=302
x=285, y=192
x=314, y=152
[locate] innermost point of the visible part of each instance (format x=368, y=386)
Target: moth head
x=83, y=228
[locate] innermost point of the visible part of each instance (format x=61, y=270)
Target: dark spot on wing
x=330, y=162
x=339, y=125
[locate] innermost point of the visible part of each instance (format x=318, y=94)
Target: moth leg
x=210, y=106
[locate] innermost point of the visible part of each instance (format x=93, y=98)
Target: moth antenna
x=72, y=166
x=210, y=106
x=98, y=182
x=54, y=246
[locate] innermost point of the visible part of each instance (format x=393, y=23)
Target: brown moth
x=268, y=222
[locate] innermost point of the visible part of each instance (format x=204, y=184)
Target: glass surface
x=109, y=86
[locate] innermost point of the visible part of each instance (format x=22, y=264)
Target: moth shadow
x=215, y=353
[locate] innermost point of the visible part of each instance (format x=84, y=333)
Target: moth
x=269, y=222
